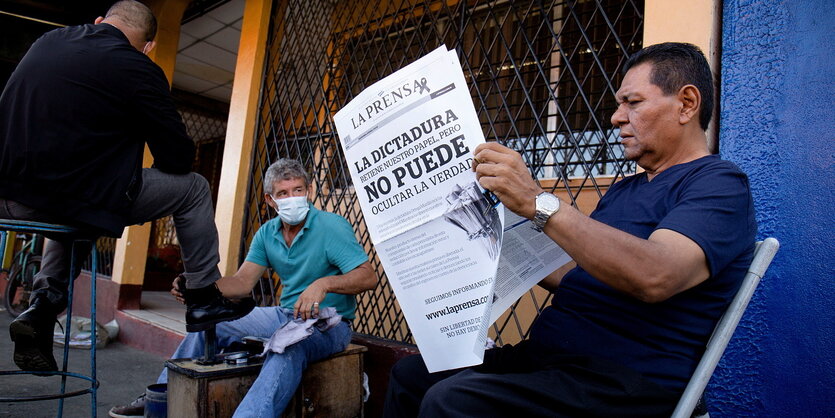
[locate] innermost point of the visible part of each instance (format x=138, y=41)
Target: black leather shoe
x=32, y=335
x=206, y=307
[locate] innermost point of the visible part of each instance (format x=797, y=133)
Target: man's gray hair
x=136, y=15
x=284, y=169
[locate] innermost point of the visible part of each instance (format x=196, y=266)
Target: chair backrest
x=763, y=254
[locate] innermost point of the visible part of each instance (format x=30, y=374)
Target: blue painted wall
x=778, y=125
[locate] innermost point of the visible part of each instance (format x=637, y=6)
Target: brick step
x=149, y=331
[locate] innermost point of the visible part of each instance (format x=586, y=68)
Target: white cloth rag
x=299, y=329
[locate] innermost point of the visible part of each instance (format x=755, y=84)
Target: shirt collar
x=308, y=221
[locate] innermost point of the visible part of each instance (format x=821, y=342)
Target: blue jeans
x=281, y=373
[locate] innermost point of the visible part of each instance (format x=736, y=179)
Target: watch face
x=547, y=202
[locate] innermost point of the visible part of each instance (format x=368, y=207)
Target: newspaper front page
x=408, y=140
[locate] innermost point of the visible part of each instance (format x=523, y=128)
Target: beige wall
x=692, y=21
x=240, y=132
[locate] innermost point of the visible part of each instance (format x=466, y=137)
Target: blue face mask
x=292, y=210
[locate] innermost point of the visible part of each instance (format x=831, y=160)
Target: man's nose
x=619, y=117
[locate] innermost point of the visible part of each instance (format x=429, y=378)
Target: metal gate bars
x=542, y=75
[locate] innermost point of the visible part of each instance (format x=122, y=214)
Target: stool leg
x=67, y=325
x=95, y=383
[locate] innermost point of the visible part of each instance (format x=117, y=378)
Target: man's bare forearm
x=241, y=283
x=650, y=269
x=353, y=282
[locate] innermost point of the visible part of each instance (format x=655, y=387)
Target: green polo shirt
x=326, y=246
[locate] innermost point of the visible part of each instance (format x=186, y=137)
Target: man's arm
x=651, y=270
x=552, y=281
x=240, y=284
x=236, y=286
x=358, y=280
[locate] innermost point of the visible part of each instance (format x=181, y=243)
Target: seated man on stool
x=74, y=120
x=320, y=264
x=657, y=263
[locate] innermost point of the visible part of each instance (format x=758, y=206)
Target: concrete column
x=240, y=132
x=132, y=249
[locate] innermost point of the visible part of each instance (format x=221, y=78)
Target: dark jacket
x=74, y=118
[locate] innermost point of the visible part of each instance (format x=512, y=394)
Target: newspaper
x=454, y=260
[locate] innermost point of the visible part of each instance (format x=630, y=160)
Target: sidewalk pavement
x=123, y=373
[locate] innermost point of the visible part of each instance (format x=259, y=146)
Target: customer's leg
x=261, y=322
x=281, y=374
x=51, y=282
x=188, y=198
x=31, y=331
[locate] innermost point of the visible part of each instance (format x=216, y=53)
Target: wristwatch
x=546, y=205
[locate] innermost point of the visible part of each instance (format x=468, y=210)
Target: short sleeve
x=715, y=210
x=343, y=250
x=257, y=251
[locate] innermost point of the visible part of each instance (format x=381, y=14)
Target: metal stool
x=53, y=229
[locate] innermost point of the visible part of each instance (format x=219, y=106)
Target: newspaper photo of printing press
x=455, y=259
x=469, y=210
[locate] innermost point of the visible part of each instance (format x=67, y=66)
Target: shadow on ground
x=123, y=374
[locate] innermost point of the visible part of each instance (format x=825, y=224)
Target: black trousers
x=526, y=380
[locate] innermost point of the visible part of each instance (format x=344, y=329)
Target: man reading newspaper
x=657, y=263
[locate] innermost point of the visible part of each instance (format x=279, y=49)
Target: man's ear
x=269, y=200
x=691, y=102
x=98, y=20
x=149, y=46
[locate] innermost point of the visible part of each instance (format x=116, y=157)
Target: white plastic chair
x=763, y=254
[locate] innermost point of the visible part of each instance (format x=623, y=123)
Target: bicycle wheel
x=20, y=284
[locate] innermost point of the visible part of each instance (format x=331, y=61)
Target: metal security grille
x=205, y=122
x=542, y=75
